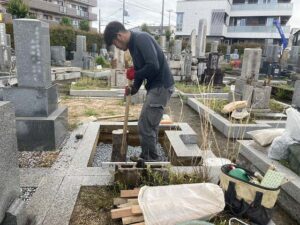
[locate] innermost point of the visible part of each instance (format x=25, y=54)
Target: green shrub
x=17, y=8
x=84, y=25
x=66, y=21
x=100, y=60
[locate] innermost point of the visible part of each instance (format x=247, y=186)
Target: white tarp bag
x=169, y=205
x=279, y=148
x=293, y=124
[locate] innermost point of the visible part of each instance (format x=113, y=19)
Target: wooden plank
x=119, y=213
x=142, y=223
x=128, y=204
x=119, y=201
x=136, y=209
x=130, y=193
x=132, y=219
x=134, y=200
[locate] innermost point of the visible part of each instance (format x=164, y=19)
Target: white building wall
x=194, y=10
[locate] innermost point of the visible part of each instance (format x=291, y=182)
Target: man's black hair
x=111, y=31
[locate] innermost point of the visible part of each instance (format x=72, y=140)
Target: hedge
x=66, y=36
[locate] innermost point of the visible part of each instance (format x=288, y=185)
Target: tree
x=84, y=25
x=66, y=21
x=17, y=8
x=145, y=28
x=168, y=34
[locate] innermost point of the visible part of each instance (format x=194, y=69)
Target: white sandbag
x=279, y=148
x=169, y=205
x=293, y=123
x=265, y=137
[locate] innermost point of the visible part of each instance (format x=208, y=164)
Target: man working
x=150, y=65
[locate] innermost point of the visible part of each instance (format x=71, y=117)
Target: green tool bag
x=247, y=200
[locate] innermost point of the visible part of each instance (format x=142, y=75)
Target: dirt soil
x=93, y=207
x=37, y=159
x=89, y=109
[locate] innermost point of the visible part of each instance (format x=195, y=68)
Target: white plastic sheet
x=279, y=147
x=293, y=124
x=169, y=205
x=291, y=135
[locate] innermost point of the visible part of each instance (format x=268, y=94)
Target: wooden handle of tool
x=128, y=101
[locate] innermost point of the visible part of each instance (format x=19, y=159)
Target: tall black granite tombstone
x=41, y=124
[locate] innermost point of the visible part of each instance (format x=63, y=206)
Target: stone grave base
x=65, y=73
x=226, y=127
x=42, y=133
x=254, y=157
x=38, y=101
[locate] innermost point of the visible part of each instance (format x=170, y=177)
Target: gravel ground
x=27, y=193
x=37, y=159
x=104, y=151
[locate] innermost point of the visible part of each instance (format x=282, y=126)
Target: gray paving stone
x=31, y=177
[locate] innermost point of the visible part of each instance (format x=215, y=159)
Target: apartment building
x=52, y=11
x=235, y=20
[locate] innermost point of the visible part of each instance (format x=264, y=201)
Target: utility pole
x=162, y=17
x=123, y=11
x=169, y=11
x=99, y=21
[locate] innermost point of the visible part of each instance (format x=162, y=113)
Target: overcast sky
x=149, y=11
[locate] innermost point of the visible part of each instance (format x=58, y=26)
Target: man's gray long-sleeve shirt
x=149, y=62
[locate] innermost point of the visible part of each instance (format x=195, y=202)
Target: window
x=238, y=2
x=252, y=1
x=179, y=22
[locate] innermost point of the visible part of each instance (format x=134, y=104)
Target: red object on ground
x=130, y=73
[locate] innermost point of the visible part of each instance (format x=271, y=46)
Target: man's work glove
x=130, y=90
x=130, y=73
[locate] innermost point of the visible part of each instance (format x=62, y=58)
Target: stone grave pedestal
x=41, y=124
x=12, y=209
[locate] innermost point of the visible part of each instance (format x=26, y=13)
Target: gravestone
x=58, y=55
x=177, y=50
x=296, y=96
x=212, y=74
x=201, y=39
x=193, y=43
x=294, y=55
x=251, y=64
x=8, y=40
x=214, y=46
x=247, y=86
x=5, y=52
x=272, y=53
x=41, y=124
x=94, y=49
x=228, y=52
x=163, y=42
x=81, y=58
x=12, y=210
x=187, y=67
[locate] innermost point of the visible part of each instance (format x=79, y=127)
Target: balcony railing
x=256, y=29
x=263, y=7
x=92, y=3
x=61, y=10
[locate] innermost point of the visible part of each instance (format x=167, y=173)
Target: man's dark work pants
x=151, y=115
